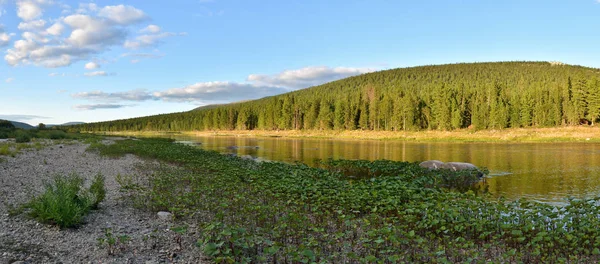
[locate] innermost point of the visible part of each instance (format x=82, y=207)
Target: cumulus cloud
x=91, y=30
x=99, y=106
x=91, y=65
x=34, y=25
x=9, y=80
x=4, y=37
x=306, y=77
x=93, y=33
x=134, y=95
x=30, y=9
x=96, y=73
x=122, y=14
x=56, y=29
x=154, y=29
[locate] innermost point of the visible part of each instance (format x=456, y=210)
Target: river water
x=546, y=172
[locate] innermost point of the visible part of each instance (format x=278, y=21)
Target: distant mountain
x=67, y=124
x=21, y=125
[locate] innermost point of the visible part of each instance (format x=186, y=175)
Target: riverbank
x=23, y=173
x=354, y=211
x=237, y=210
x=557, y=134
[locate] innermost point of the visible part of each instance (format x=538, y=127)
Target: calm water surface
x=547, y=172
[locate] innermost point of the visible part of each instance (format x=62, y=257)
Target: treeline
x=444, y=97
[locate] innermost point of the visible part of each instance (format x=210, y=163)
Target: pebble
x=31, y=242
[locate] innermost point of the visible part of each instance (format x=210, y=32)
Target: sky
x=89, y=61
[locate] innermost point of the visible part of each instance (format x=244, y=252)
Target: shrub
x=97, y=190
x=57, y=134
x=23, y=138
x=65, y=202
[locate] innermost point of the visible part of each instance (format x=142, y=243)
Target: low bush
x=65, y=202
x=23, y=138
x=97, y=190
x=57, y=134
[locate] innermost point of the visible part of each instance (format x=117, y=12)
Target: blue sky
x=102, y=60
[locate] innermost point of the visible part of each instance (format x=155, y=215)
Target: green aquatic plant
x=389, y=212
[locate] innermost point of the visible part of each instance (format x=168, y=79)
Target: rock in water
x=432, y=164
x=164, y=215
x=455, y=166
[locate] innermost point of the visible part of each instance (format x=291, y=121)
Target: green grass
x=5, y=150
x=394, y=212
x=65, y=202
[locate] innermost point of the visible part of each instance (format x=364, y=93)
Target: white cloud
x=95, y=73
x=93, y=33
x=121, y=14
x=55, y=74
x=149, y=40
x=306, y=77
x=99, y=106
x=91, y=66
x=30, y=9
x=9, y=80
x=34, y=25
x=199, y=92
x=4, y=37
x=21, y=117
x=217, y=91
x=134, y=95
x=59, y=42
x=221, y=92
x=156, y=29
x=87, y=8
x=56, y=29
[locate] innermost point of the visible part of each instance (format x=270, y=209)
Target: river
x=546, y=172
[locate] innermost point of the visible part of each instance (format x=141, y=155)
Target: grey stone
x=164, y=215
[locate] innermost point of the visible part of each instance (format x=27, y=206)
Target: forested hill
x=443, y=97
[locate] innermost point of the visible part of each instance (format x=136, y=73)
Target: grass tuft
x=65, y=202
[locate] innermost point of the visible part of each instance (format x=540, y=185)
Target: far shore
x=556, y=134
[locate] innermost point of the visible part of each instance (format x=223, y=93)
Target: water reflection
x=540, y=171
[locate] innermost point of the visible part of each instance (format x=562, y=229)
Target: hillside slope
x=444, y=97
x=21, y=125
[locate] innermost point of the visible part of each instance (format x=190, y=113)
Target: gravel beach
x=23, y=240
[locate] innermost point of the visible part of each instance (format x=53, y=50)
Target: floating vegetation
x=389, y=212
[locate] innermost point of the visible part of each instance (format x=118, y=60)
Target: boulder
x=455, y=166
x=165, y=216
x=432, y=164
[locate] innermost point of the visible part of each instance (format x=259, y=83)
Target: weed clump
x=65, y=201
x=23, y=138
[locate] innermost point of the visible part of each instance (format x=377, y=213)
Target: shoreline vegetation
x=352, y=211
x=236, y=210
x=554, y=134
